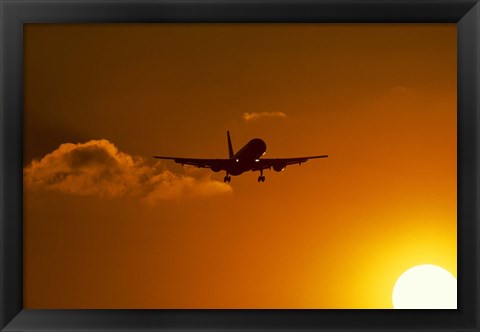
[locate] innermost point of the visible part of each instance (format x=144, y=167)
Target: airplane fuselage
x=244, y=160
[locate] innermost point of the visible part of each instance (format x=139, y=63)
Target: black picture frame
x=15, y=13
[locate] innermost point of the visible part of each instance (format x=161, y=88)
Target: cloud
x=98, y=168
x=257, y=115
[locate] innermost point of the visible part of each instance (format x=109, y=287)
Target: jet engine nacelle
x=278, y=167
x=216, y=168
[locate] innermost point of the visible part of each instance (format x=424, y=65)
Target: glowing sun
x=425, y=287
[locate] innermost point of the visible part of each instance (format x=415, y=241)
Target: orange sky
x=107, y=226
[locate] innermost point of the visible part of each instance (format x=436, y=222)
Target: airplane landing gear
x=227, y=178
x=261, y=178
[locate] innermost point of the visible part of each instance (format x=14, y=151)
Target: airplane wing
x=217, y=165
x=214, y=164
x=279, y=164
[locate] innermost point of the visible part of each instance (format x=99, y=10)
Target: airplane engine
x=216, y=168
x=278, y=167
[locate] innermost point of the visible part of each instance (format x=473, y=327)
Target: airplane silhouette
x=246, y=159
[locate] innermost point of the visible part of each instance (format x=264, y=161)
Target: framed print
x=233, y=165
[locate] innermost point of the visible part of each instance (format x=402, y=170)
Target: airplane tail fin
x=230, y=149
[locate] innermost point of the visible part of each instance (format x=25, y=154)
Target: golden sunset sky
x=108, y=226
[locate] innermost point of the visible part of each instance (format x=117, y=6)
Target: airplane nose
x=260, y=146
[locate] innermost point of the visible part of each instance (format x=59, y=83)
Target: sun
x=425, y=287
